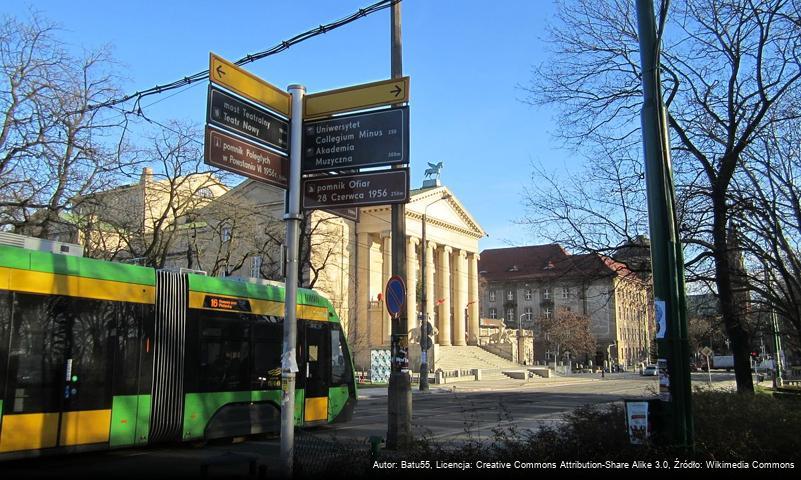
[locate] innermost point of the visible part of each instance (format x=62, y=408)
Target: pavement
x=508, y=384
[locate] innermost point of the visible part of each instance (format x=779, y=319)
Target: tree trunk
x=733, y=314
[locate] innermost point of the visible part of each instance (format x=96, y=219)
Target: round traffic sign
x=395, y=294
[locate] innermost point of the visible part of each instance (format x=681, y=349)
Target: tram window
x=5, y=328
x=35, y=360
x=127, y=341
x=90, y=381
x=224, y=354
x=267, y=346
x=339, y=367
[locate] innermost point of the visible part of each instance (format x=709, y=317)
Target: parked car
x=650, y=371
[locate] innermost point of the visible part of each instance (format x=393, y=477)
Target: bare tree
x=52, y=148
x=732, y=73
x=145, y=221
x=567, y=331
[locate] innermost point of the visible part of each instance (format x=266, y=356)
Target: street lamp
x=519, y=320
x=609, y=355
x=424, y=340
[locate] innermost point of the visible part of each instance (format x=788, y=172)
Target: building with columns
x=451, y=257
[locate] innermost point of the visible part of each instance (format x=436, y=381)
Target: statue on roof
x=433, y=171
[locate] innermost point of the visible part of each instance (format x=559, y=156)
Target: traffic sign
x=357, y=190
x=357, y=97
x=246, y=119
x=395, y=295
x=226, y=74
x=354, y=141
x=706, y=351
x=244, y=158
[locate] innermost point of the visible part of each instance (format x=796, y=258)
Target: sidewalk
x=484, y=385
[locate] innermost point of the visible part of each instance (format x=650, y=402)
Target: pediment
x=448, y=213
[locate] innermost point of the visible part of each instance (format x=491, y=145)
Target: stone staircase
x=472, y=357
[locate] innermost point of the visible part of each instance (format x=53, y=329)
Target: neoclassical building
x=451, y=258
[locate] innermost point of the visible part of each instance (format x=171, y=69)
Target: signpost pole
x=399, y=431
x=292, y=218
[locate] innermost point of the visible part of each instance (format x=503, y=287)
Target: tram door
x=58, y=389
x=318, y=371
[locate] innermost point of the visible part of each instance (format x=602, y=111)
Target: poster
x=637, y=422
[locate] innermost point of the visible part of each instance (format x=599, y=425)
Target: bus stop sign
x=395, y=295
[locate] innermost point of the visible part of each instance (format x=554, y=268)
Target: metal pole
x=778, y=381
x=292, y=217
x=399, y=401
x=666, y=254
x=424, y=309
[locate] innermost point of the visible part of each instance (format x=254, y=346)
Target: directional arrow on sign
x=248, y=85
x=357, y=97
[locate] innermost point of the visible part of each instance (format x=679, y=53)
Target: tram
x=97, y=354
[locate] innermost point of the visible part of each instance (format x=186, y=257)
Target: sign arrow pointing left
x=220, y=71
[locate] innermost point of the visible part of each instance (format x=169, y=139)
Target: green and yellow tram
x=97, y=354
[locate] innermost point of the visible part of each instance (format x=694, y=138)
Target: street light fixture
x=609, y=354
x=519, y=320
x=424, y=320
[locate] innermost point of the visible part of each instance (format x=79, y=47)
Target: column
x=431, y=298
x=473, y=323
x=386, y=272
x=361, y=334
x=460, y=302
x=411, y=283
x=445, y=294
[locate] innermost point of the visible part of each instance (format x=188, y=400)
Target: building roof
x=545, y=262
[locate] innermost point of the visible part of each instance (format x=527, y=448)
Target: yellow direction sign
x=226, y=74
x=385, y=92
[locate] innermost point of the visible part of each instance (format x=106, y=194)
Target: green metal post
x=666, y=255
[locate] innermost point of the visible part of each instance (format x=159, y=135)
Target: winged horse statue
x=434, y=170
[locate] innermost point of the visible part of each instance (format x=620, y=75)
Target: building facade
x=523, y=284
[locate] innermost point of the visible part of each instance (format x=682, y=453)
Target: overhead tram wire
x=278, y=48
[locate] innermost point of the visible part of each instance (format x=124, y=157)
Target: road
x=455, y=412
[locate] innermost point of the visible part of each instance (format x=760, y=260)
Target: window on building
x=492, y=296
x=547, y=312
x=255, y=266
x=565, y=292
x=493, y=313
x=546, y=293
x=529, y=318
x=510, y=314
x=510, y=295
x=528, y=294
x=225, y=234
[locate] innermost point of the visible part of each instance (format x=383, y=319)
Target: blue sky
x=465, y=59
